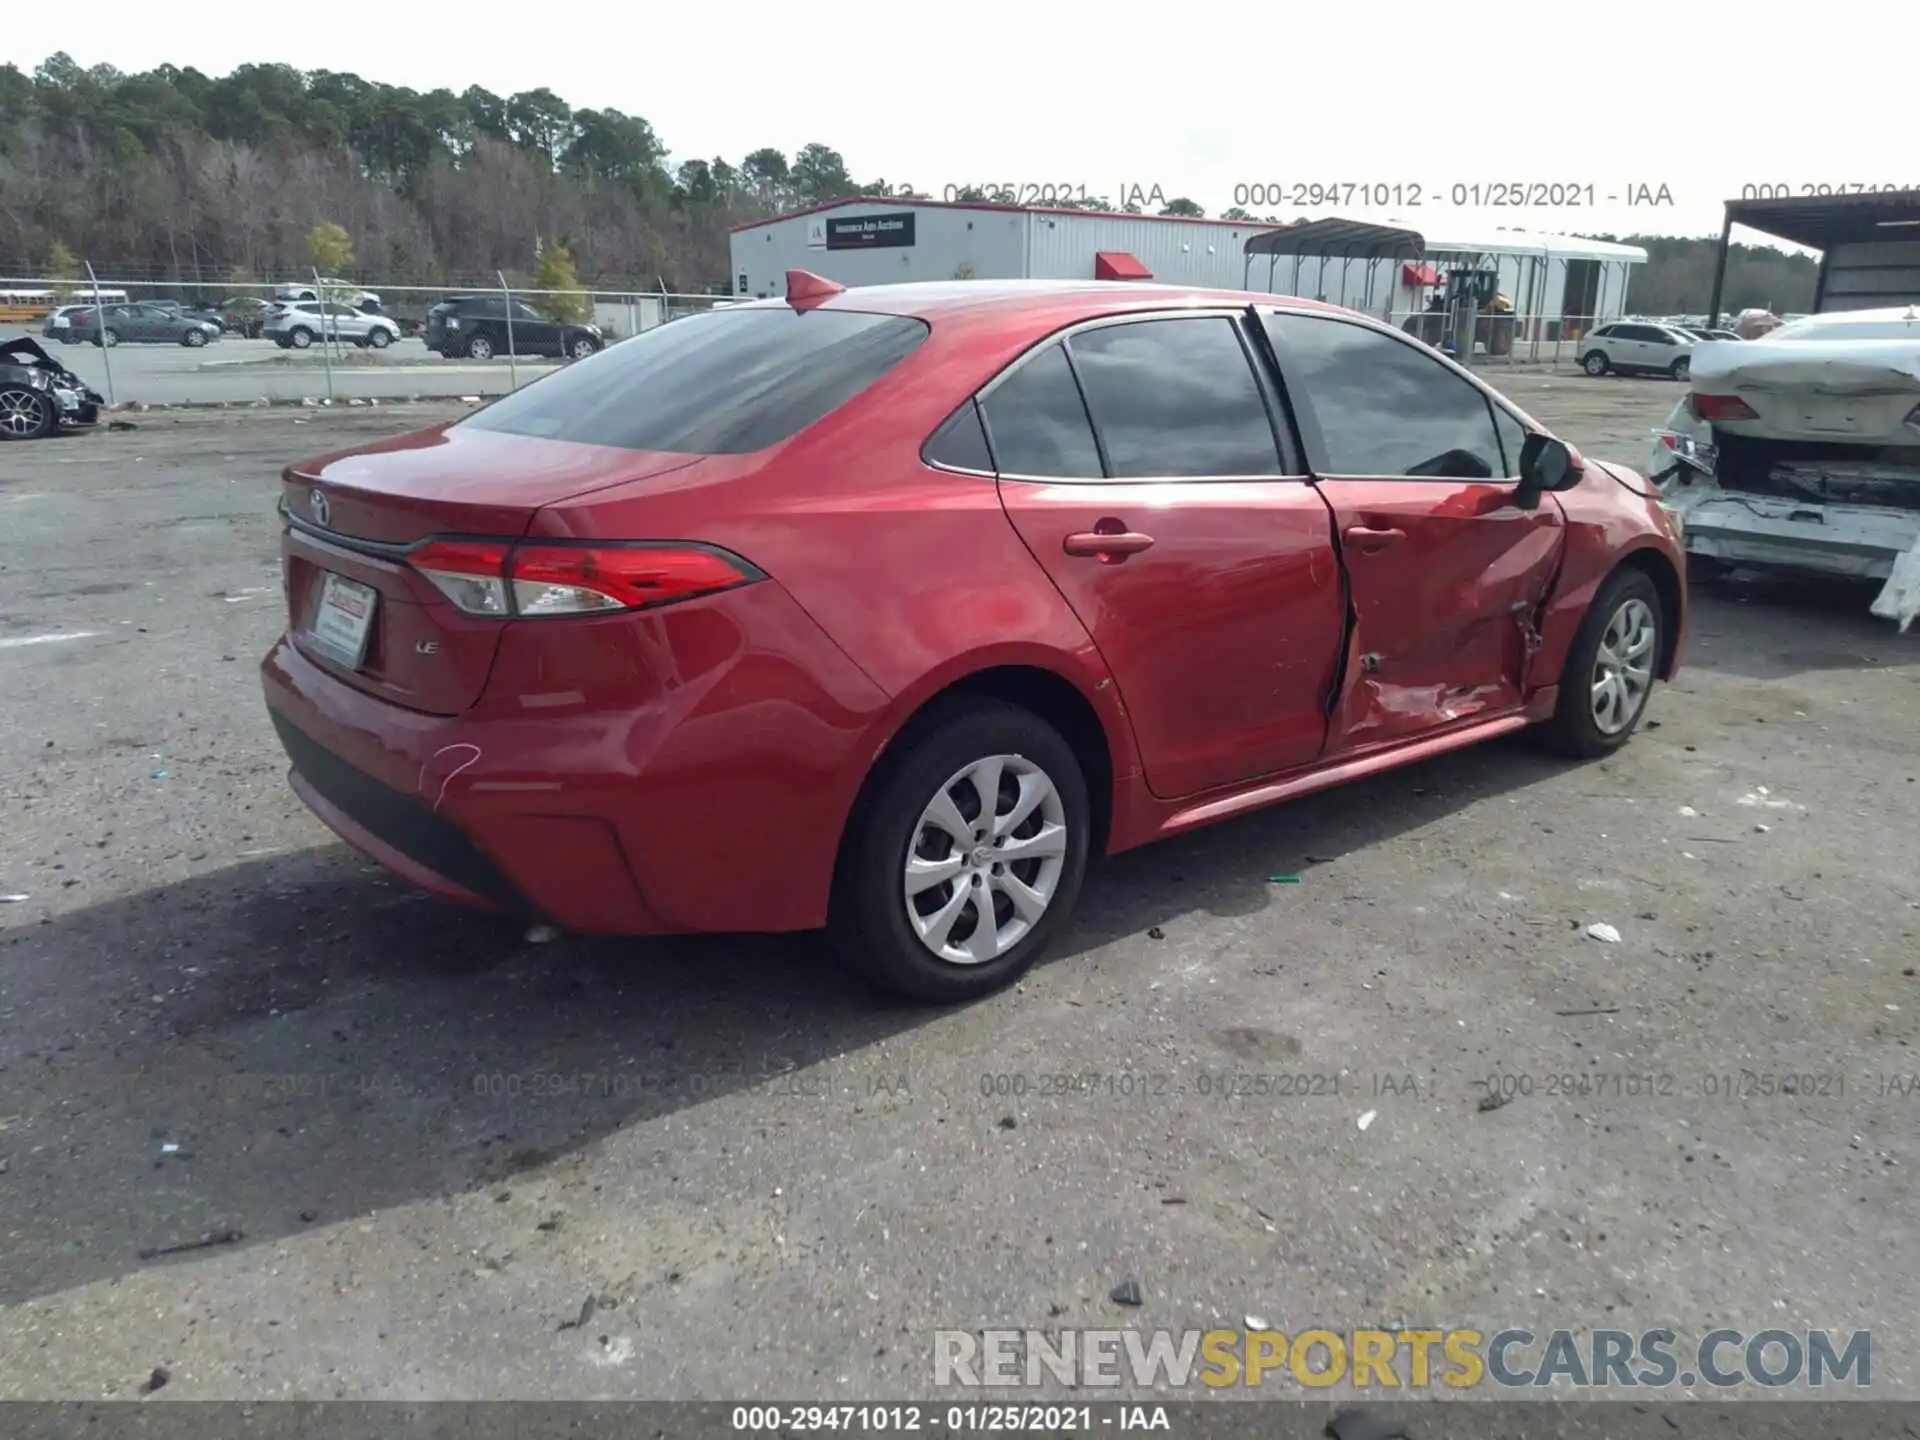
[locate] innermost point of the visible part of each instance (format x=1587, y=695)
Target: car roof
x=1033, y=300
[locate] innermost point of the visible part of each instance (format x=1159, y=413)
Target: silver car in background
x=296, y=324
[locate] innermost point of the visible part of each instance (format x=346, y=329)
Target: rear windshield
x=725, y=383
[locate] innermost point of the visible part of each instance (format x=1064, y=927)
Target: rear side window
x=1038, y=422
x=1175, y=398
x=1382, y=407
x=725, y=383
x=961, y=442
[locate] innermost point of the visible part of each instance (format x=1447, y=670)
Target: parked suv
x=1637, y=346
x=296, y=325
x=475, y=327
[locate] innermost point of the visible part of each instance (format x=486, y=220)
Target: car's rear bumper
x=689, y=770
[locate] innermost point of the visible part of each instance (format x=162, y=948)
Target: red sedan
x=884, y=610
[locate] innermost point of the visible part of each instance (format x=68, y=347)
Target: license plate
x=343, y=620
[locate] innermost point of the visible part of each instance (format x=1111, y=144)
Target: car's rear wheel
x=479, y=348
x=1610, y=670
x=1680, y=369
x=1594, y=362
x=193, y=339
x=107, y=338
x=379, y=339
x=966, y=857
x=26, y=414
x=300, y=338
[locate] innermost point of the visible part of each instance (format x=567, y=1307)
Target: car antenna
x=806, y=289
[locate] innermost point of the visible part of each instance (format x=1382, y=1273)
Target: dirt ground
x=414, y=1144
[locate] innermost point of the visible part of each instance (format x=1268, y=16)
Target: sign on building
x=869, y=232
x=817, y=233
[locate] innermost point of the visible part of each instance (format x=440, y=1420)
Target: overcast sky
x=1196, y=100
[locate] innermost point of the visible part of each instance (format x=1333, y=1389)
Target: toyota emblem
x=317, y=503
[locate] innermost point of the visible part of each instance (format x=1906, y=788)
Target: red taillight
x=493, y=577
x=1720, y=407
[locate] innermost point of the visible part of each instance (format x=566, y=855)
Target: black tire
x=1680, y=369
x=193, y=339
x=299, y=338
x=107, y=338
x=379, y=339
x=1573, y=729
x=1595, y=363
x=581, y=346
x=479, y=348
x=26, y=414
x=869, y=927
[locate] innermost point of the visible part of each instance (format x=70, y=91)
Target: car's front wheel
x=1594, y=362
x=1611, y=668
x=193, y=339
x=583, y=346
x=965, y=860
x=379, y=339
x=25, y=414
x=1680, y=369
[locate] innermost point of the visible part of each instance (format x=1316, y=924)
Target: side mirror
x=1546, y=463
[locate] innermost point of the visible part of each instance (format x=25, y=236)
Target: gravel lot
x=436, y=1140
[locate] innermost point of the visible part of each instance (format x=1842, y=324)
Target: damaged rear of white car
x=1800, y=451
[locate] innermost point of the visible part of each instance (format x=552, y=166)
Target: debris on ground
x=587, y=1307
x=1007, y=1122
x=1376, y=1424
x=208, y=1241
x=1493, y=1100
x=1595, y=1010
x=13, y=899
x=121, y=425
x=1283, y=879
x=154, y=1381
x=1367, y=1119
x=1127, y=1292
x=157, y=775
x=542, y=934
x=1605, y=932
x=1154, y=932
x=1255, y=1322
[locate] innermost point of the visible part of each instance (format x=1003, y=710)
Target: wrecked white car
x=1800, y=451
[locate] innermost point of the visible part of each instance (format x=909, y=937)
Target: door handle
x=1109, y=542
x=1365, y=537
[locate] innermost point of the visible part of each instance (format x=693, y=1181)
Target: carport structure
x=1869, y=244
x=1333, y=239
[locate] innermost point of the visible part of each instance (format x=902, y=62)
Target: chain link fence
x=140, y=339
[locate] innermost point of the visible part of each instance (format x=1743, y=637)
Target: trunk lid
x=1850, y=391
x=354, y=514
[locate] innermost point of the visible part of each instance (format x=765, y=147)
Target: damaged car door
x=1446, y=567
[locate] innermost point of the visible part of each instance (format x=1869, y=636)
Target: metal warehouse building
x=1385, y=270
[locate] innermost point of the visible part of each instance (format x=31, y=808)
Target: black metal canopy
x=1821, y=222
x=1338, y=239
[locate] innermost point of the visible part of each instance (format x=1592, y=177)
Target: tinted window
x=1038, y=422
x=1512, y=436
x=523, y=311
x=1175, y=397
x=961, y=442
x=1383, y=407
x=725, y=383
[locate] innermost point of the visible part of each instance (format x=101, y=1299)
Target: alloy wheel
x=22, y=414
x=985, y=859
x=1623, y=667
